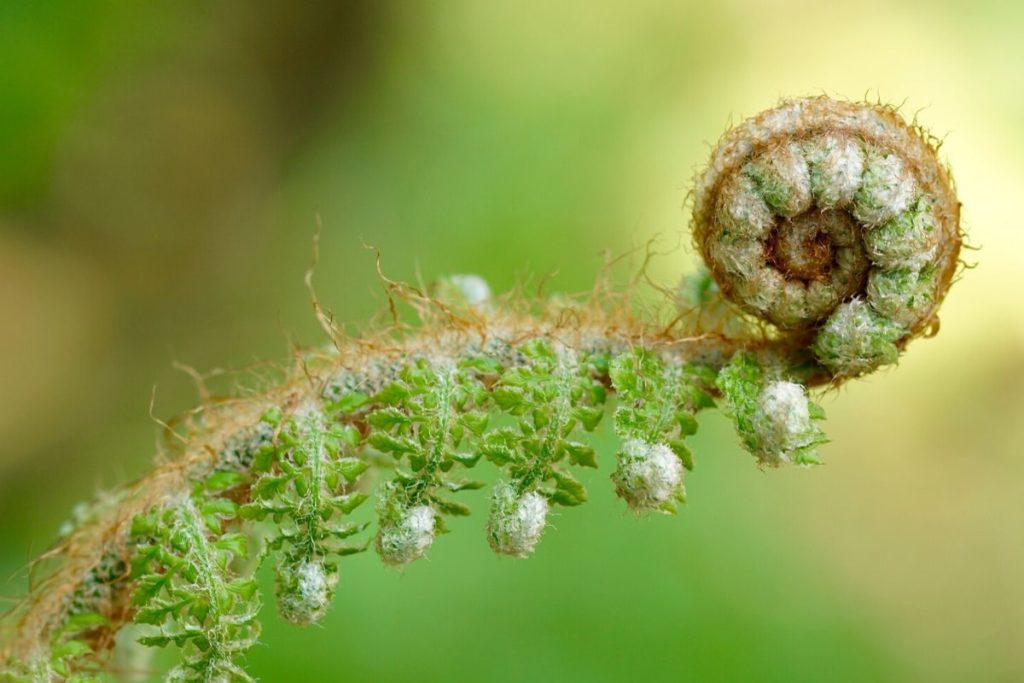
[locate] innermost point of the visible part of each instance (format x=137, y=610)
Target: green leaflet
x=306, y=489
x=70, y=658
x=773, y=418
x=658, y=402
x=188, y=591
x=551, y=395
x=427, y=420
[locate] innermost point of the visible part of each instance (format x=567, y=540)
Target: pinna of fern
x=831, y=235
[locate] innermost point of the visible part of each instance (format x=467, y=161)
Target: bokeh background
x=161, y=168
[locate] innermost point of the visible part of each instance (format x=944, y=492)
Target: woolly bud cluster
x=782, y=420
x=516, y=521
x=834, y=217
x=648, y=476
x=304, y=591
x=406, y=532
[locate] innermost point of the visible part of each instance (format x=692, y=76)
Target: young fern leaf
x=187, y=589
x=551, y=393
x=831, y=235
x=775, y=419
x=427, y=414
x=305, y=487
x=68, y=658
x=658, y=402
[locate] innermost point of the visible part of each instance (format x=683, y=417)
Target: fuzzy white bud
x=516, y=522
x=409, y=538
x=648, y=475
x=782, y=420
x=304, y=591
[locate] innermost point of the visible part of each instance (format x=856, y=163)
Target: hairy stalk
x=831, y=233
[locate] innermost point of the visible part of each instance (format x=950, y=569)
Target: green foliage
x=774, y=418
x=424, y=419
x=740, y=383
x=658, y=401
x=70, y=658
x=555, y=391
x=186, y=588
x=297, y=474
x=305, y=486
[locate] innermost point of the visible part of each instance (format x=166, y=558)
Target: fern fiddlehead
x=834, y=222
x=831, y=235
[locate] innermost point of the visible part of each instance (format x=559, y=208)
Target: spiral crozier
x=834, y=222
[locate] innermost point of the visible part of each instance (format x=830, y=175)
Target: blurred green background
x=161, y=167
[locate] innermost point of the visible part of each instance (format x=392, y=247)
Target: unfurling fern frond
x=831, y=235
